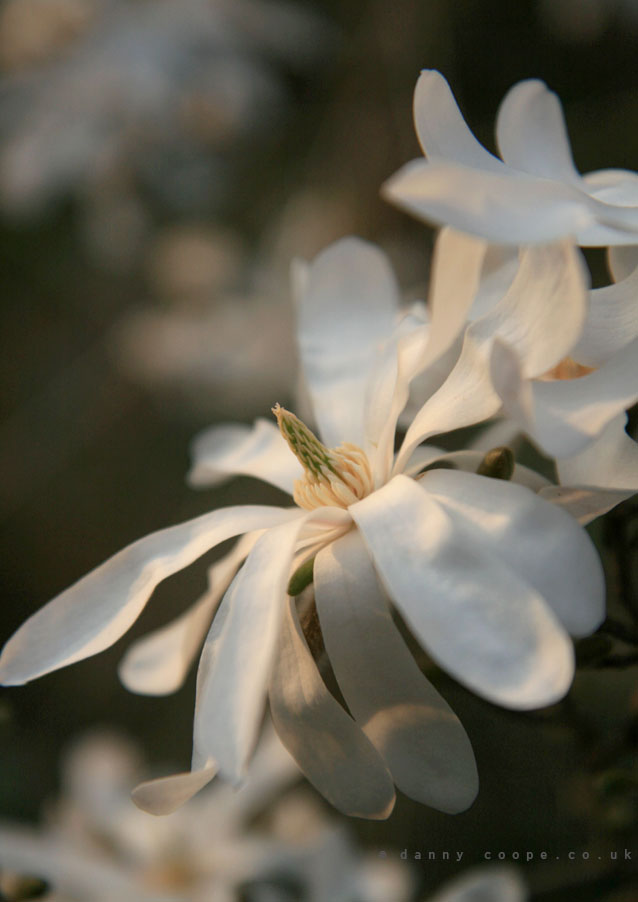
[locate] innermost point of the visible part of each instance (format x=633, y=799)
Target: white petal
x=504, y=207
x=416, y=732
x=93, y=613
x=238, y=652
x=158, y=663
x=466, y=397
x=441, y=129
x=471, y=612
x=612, y=322
x=540, y=543
x=469, y=461
x=345, y=313
x=166, y=794
x=611, y=462
x=234, y=449
x=622, y=261
x=540, y=318
x=418, y=350
x=531, y=133
x=582, y=502
x=564, y=416
x=328, y=746
x=486, y=884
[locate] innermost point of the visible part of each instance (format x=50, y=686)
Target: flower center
x=333, y=477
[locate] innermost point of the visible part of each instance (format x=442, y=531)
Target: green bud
x=497, y=463
x=301, y=578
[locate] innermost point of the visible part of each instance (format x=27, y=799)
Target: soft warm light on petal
x=327, y=744
x=158, y=663
x=238, y=652
x=345, y=313
x=418, y=735
x=471, y=612
x=539, y=542
x=166, y=794
x=234, y=449
x=93, y=613
x=612, y=322
x=531, y=133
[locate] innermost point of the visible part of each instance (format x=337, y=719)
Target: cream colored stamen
x=333, y=477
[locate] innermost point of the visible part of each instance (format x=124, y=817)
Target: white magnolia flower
x=534, y=194
x=490, y=577
x=95, y=845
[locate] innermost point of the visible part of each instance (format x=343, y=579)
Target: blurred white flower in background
x=120, y=101
x=267, y=842
x=490, y=577
x=534, y=194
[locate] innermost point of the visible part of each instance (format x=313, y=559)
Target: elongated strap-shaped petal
x=234, y=449
x=531, y=133
x=474, y=615
x=346, y=312
x=611, y=462
x=565, y=416
x=584, y=503
x=504, y=206
x=326, y=743
x=416, y=732
x=238, y=652
x=166, y=794
x=93, y=613
x=484, y=884
x=441, y=128
x=540, y=317
x=456, y=270
x=612, y=322
x=542, y=544
x=158, y=663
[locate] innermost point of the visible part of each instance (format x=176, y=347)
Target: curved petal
x=543, y=545
x=584, y=503
x=565, y=416
x=346, y=312
x=472, y=613
x=531, y=133
x=611, y=462
x=231, y=450
x=416, y=732
x=541, y=317
x=427, y=353
x=505, y=207
x=158, y=663
x=612, y=322
x=166, y=794
x=622, y=261
x=326, y=743
x=441, y=128
x=93, y=613
x=238, y=652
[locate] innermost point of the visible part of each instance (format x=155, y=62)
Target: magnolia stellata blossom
x=490, y=577
x=533, y=194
